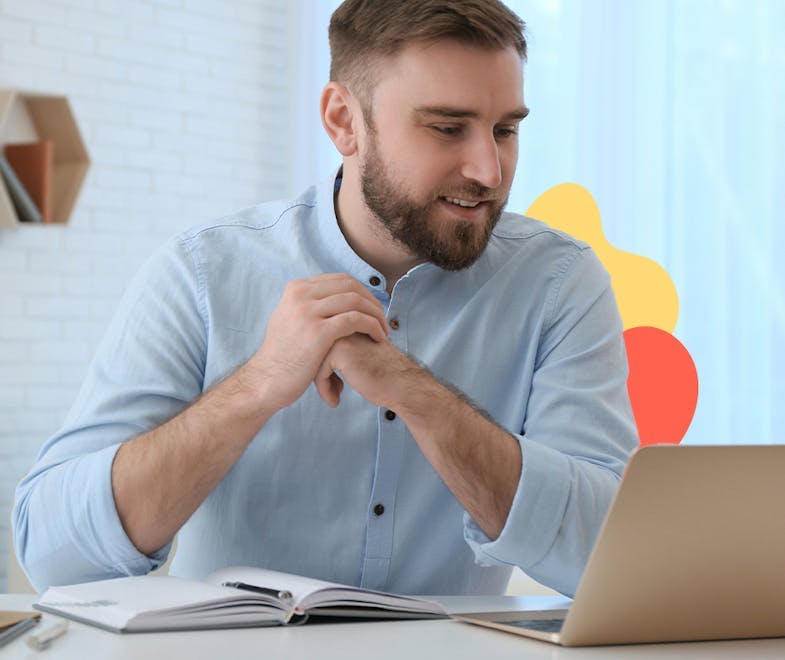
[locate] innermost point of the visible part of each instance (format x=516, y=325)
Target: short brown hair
x=362, y=31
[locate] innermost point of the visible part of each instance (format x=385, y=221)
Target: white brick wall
x=183, y=105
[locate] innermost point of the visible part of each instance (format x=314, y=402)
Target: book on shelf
x=237, y=597
x=33, y=163
x=25, y=207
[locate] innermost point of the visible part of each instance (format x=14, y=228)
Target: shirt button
x=394, y=324
x=389, y=414
x=374, y=280
x=378, y=509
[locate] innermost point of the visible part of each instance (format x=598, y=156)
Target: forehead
x=451, y=74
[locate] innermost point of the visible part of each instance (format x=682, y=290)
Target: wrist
x=248, y=394
x=419, y=395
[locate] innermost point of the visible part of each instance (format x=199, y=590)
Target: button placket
x=397, y=311
x=389, y=460
x=381, y=508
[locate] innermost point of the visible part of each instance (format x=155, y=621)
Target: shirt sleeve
x=148, y=367
x=577, y=437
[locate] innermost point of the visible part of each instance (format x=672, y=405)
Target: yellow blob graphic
x=645, y=293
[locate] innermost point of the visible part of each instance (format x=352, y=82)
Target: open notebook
x=693, y=548
x=229, y=598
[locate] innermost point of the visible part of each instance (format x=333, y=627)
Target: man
x=304, y=385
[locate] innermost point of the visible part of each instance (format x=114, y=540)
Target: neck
x=366, y=235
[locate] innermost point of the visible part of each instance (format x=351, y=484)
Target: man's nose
x=482, y=161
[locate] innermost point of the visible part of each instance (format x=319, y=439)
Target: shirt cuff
x=113, y=544
x=535, y=515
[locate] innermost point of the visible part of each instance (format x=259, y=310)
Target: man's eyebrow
x=457, y=113
x=520, y=114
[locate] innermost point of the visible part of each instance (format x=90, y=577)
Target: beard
x=445, y=242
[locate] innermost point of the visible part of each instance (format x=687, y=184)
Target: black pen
x=283, y=595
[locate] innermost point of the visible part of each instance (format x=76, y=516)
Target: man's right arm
x=143, y=445
x=160, y=478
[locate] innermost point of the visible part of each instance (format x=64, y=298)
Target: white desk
x=410, y=640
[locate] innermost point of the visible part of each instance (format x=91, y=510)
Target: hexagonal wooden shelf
x=29, y=117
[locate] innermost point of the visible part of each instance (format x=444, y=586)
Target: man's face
x=441, y=149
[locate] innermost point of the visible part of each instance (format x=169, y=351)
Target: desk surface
x=411, y=640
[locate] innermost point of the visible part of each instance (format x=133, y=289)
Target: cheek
x=417, y=154
x=397, y=151
x=421, y=165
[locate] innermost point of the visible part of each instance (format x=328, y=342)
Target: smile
x=461, y=202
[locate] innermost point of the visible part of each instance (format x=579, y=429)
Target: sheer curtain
x=672, y=114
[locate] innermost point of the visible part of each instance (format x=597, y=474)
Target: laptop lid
x=692, y=548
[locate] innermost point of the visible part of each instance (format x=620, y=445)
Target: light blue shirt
x=530, y=333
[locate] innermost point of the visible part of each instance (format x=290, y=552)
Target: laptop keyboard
x=540, y=625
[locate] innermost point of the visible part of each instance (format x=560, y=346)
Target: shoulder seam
x=542, y=230
x=247, y=225
x=561, y=274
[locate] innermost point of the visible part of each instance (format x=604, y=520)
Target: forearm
x=566, y=497
x=161, y=477
x=477, y=460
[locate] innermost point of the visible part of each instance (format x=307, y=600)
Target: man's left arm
x=483, y=476
x=535, y=499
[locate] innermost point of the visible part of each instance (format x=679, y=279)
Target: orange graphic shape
x=644, y=291
x=663, y=385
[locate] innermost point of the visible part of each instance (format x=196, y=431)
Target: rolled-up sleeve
x=577, y=436
x=149, y=366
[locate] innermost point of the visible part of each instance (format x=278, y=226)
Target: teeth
x=461, y=202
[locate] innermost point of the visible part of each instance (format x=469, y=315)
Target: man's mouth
x=465, y=203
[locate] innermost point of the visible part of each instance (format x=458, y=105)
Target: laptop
x=692, y=548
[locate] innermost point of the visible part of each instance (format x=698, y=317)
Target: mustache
x=472, y=190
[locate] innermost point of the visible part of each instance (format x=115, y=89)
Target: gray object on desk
x=12, y=632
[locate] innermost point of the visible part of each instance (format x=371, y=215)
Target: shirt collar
x=333, y=240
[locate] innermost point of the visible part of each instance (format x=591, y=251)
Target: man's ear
x=339, y=108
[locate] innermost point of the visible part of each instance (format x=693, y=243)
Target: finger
x=351, y=301
x=319, y=287
x=326, y=277
x=348, y=323
x=300, y=294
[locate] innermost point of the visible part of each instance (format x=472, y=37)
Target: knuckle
x=292, y=288
x=354, y=286
x=351, y=318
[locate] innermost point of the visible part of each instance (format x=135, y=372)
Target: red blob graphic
x=663, y=385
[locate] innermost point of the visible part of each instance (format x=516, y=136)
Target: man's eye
x=506, y=131
x=447, y=130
